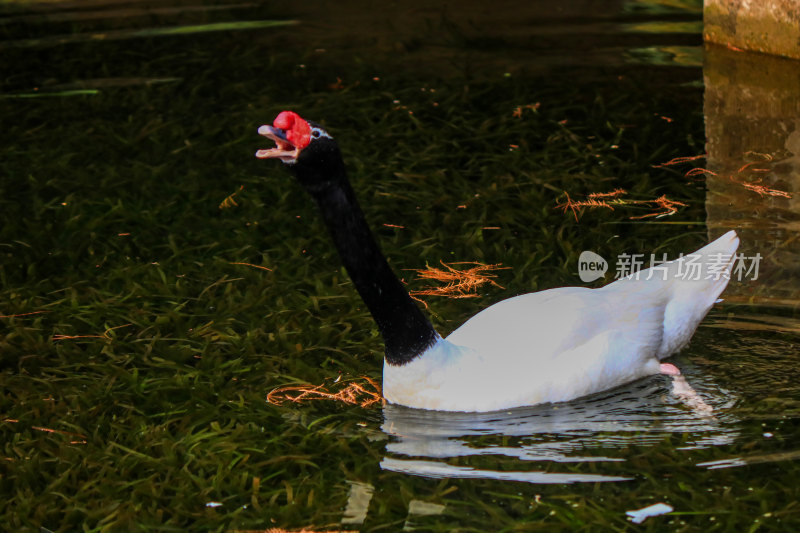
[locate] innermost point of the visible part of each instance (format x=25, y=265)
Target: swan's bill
x=284, y=149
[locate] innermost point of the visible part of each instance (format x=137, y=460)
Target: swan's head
x=310, y=152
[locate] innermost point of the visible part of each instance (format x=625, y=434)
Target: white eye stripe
x=319, y=132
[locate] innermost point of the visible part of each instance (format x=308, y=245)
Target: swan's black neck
x=406, y=332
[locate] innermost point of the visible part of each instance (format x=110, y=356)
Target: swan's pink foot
x=669, y=369
x=685, y=393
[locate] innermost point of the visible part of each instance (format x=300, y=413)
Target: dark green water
x=137, y=350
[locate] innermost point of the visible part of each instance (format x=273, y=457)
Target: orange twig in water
x=105, y=335
x=250, y=265
x=664, y=203
x=459, y=283
x=62, y=432
x=574, y=206
x=520, y=108
x=612, y=194
x=337, y=85
x=679, y=160
x=765, y=191
x=764, y=158
x=762, y=155
x=746, y=166
x=229, y=201
x=697, y=171
x=756, y=187
x=352, y=393
x=24, y=314
x=56, y=431
x=737, y=177
x=281, y=530
x=606, y=199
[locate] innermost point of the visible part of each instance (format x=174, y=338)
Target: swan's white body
x=561, y=344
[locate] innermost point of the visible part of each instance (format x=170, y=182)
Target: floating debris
x=763, y=190
x=24, y=314
x=338, y=85
x=573, y=205
x=459, y=283
x=250, y=265
x=281, y=530
x=740, y=177
x=517, y=113
x=668, y=207
x=612, y=194
x=230, y=201
x=640, y=515
x=351, y=393
x=608, y=200
x=105, y=335
x=78, y=438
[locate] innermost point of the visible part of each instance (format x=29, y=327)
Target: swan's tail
x=695, y=290
x=687, y=288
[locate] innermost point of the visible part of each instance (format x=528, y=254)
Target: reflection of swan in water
x=597, y=429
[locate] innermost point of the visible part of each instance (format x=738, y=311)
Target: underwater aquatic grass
x=140, y=332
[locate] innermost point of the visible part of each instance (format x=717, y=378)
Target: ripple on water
x=592, y=437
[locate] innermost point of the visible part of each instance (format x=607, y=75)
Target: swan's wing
x=552, y=326
x=569, y=332
x=543, y=347
x=540, y=323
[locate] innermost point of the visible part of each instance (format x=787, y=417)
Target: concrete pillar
x=769, y=26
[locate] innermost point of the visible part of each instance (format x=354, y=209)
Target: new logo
x=591, y=266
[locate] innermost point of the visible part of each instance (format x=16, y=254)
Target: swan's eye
x=316, y=132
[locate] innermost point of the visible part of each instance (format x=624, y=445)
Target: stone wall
x=769, y=26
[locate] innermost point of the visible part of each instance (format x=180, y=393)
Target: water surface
x=157, y=281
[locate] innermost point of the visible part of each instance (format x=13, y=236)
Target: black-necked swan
x=550, y=346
